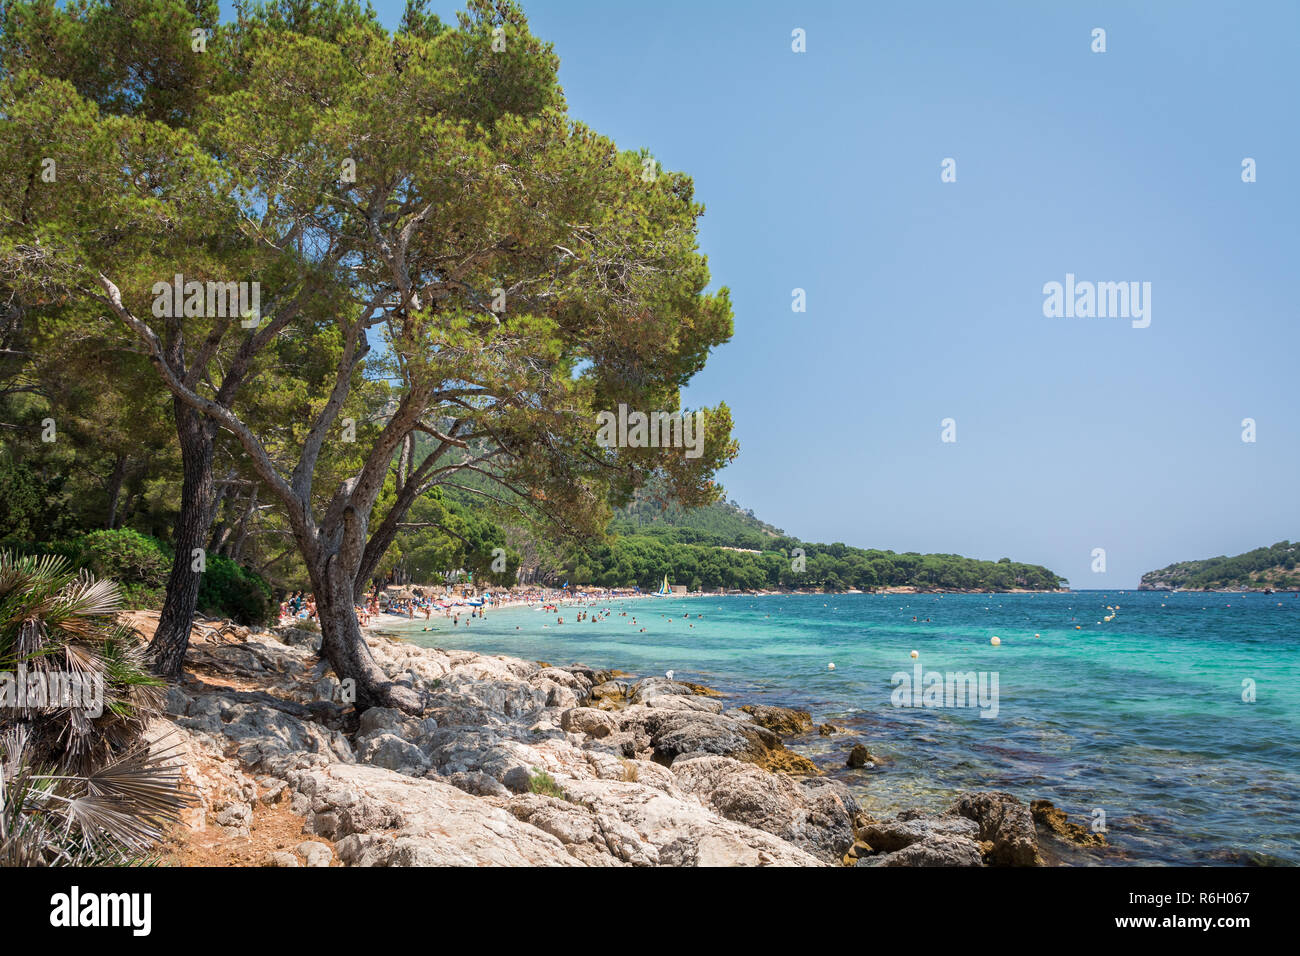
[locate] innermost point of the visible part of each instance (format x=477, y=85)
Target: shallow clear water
x=1141, y=717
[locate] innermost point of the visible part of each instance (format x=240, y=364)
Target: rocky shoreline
x=521, y=763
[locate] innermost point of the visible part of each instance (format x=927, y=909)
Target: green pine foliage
x=241, y=594
x=1272, y=567
x=722, y=547
x=137, y=562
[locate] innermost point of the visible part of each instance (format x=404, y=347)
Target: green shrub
x=130, y=558
x=140, y=564
x=241, y=594
x=546, y=785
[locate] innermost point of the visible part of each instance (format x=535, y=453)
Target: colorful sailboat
x=664, y=589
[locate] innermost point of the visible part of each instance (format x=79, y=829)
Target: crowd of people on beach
x=299, y=606
x=453, y=603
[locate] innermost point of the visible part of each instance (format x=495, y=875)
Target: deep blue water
x=1141, y=717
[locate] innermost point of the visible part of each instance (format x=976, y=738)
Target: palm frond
x=108, y=817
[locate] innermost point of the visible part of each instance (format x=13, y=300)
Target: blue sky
x=821, y=171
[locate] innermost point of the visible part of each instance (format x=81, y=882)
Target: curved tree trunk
x=172, y=638
x=409, y=487
x=376, y=547
x=344, y=646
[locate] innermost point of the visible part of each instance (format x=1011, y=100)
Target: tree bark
x=172, y=637
x=410, y=485
x=115, y=490
x=344, y=646
x=376, y=548
x=241, y=532
x=220, y=529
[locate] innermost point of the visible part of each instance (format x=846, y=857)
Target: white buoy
x=1038, y=635
x=830, y=666
x=995, y=640
x=915, y=654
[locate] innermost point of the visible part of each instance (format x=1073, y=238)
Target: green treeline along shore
x=720, y=547
x=1263, y=569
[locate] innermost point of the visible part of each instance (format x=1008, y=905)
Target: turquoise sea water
x=1141, y=717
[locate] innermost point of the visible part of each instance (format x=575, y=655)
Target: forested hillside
x=1272, y=567
x=723, y=522
x=722, y=546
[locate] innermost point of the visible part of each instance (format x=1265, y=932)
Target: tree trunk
x=344, y=646
x=172, y=638
x=236, y=552
x=220, y=529
x=411, y=483
x=376, y=547
x=115, y=490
